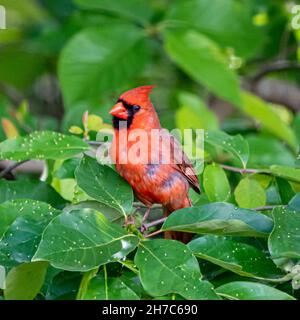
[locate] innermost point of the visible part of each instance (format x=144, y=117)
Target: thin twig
x=274, y=67
x=154, y=223
x=93, y=143
x=11, y=168
x=240, y=170
x=154, y=233
x=141, y=205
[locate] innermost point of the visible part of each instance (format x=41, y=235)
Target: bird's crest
x=137, y=95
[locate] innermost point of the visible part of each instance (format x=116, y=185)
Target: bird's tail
x=184, y=237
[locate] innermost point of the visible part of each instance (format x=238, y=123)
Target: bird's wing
x=181, y=162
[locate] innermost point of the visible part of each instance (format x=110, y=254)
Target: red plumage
x=167, y=181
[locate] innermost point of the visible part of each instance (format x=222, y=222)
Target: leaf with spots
x=30, y=189
x=110, y=213
x=236, y=146
x=22, y=223
x=216, y=184
x=250, y=194
x=284, y=241
x=81, y=240
x=241, y=258
x=104, y=185
x=42, y=145
x=243, y=290
x=168, y=266
x=103, y=287
x=25, y=281
x=288, y=173
x=219, y=218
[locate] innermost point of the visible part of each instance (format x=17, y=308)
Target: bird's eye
x=136, y=108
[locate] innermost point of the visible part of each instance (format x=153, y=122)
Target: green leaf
x=214, y=19
x=250, y=194
x=25, y=281
x=266, y=151
x=242, y=290
x=238, y=257
x=22, y=223
x=236, y=146
x=136, y=10
x=42, y=145
x=284, y=239
x=219, y=218
x=291, y=174
x=66, y=170
x=110, y=213
x=296, y=126
x=168, y=266
x=98, y=60
x=104, y=184
x=82, y=240
x=75, y=130
x=294, y=203
x=216, y=184
x=30, y=189
x=109, y=288
x=203, y=61
x=285, y=190
x=265, y=114
x=63, y=286
x=202, y=117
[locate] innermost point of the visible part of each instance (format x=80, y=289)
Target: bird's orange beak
x=119, y=111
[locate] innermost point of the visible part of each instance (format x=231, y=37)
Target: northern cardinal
x=164, y=182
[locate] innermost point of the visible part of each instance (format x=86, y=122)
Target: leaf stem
x=129, y=266
x=154, y=233
x=105, y=282
x=87, y=277
x=141, y=205
x=154, y=223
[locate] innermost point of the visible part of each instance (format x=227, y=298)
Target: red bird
x=167, y=180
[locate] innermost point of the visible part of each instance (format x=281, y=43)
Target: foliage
x=75, y=231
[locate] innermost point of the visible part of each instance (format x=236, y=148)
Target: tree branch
x=154, y=223
x=93, y=143
x=11, y=168
x=239, y=170
x=274, y=67
x=153, y=233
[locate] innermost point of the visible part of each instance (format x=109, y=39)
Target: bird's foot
x=143, y=227
x=146, y=215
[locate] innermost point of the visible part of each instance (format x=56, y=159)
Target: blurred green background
x=217, y=64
